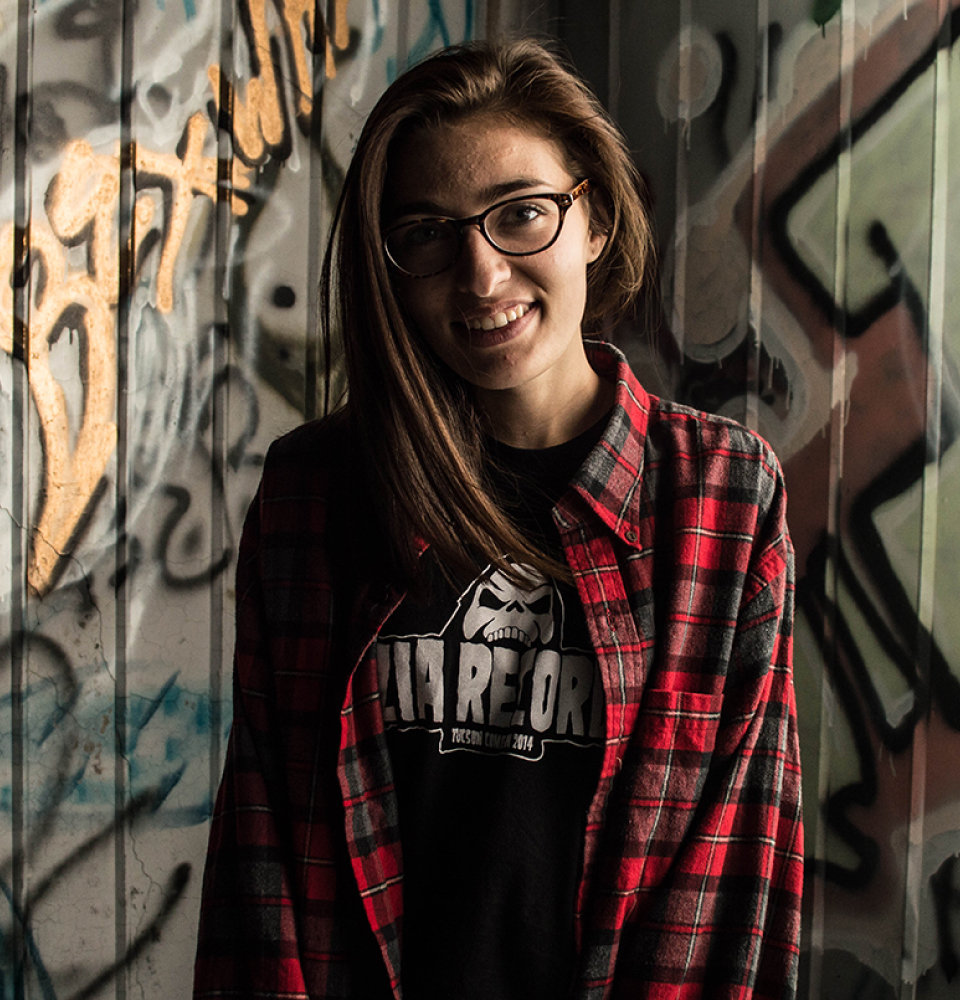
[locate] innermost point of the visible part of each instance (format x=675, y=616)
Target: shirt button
x=631, y=535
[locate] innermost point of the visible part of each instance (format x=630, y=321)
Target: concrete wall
x=156, y=339
x=167, y=172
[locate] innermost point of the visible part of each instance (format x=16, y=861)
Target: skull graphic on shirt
x=501, y=613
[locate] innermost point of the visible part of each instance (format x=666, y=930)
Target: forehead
x=459, y=166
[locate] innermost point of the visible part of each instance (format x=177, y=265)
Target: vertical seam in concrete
x=838, y=413
x=933, y=341
x=755, y=325
x=403, y=36
x=682, y=239
x=490, y=18
x=613, y=60
x=222, y=342
x=316, y=358
x=20, y=479
x=126, y=246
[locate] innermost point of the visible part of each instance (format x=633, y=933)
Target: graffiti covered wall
x=167, y=171
x=804, y=159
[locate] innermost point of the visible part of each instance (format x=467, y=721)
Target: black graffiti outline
x=20, y=945
x=182, y=501
x=275, y=64
x=946, y=897
x=899, y=632
x=898, y=629
x=236, y=456
x=710, y=385
x=29, y=944
x=20, y=640
x=821, y=614
x=227, y=377
x=851, y=324
x=172, y=893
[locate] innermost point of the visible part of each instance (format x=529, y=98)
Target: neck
x=538, y=416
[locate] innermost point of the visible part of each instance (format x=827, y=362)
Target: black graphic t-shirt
x=494, y=711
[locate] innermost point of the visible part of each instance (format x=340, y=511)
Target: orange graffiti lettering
x=81, y=207
x=71, y=475
x=259, y=123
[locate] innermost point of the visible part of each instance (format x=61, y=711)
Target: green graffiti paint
x=824, y=10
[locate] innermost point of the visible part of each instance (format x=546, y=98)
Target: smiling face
x=501, y=323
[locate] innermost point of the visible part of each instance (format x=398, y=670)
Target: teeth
x=499, y=319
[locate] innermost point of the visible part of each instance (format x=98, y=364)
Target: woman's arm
x=247, y=945
x=717, y=806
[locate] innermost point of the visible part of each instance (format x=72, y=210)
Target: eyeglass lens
x=521, y=227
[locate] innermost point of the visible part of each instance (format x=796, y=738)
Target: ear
x=596, y=242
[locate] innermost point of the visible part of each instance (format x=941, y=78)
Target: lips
x=497, y=320
x=493, y=328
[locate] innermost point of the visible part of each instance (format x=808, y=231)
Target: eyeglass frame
x=564, y=202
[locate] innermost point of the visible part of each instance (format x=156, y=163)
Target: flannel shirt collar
x=607, y=482
x=611, y=475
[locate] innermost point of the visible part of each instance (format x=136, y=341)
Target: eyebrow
x=489, y=195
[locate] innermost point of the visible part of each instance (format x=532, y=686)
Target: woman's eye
x=423, y=234
x=523, y=213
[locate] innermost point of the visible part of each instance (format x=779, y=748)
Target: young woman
x=513, y=706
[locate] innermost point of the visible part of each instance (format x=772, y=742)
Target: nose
x=480, y=267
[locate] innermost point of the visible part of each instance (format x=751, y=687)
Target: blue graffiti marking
x=436, y=26
x=36, y=960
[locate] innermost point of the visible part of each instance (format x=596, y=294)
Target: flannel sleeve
x=717, y=912
x=247, y=945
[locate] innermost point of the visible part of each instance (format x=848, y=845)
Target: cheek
x=415, y=299
x=422, y=304
x=564, y=277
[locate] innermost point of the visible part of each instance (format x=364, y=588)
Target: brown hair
x=417, y=428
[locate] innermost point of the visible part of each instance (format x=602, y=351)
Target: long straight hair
x=419, y=436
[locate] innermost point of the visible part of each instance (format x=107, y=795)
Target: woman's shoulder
x=708, y=454
x=661, y=424
x=692, y=430
x=319, y=449
x=313, y=482
x=324, y=436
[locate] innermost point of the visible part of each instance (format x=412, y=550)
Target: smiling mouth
x=498, y=320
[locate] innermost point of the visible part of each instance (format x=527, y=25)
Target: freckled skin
x=531, y=377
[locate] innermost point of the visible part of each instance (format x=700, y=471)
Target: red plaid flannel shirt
x=692, y=874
